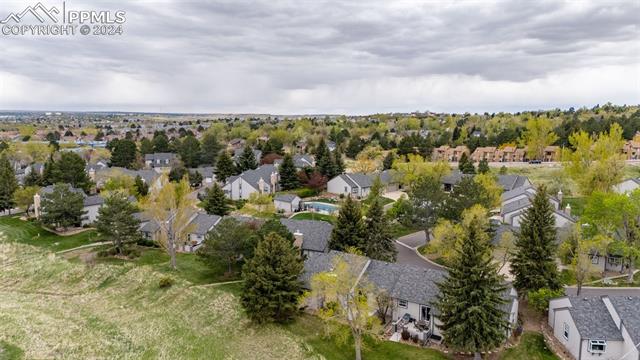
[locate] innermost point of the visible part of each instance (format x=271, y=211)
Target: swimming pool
x=320, y=207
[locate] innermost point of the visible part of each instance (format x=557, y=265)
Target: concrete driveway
x=414, y=240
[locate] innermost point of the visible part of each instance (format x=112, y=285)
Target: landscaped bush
x=405, y=334
x=415, y=338
x=306, y=192
x=539, y=299
x=166, y=282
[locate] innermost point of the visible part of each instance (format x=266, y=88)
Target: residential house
x=148, y=176
x=208, y=175
x=453, y=178
x=511, y=182
x=300, y=161
x=356, y=184
x=515, y=202
x=263, y=180
x=237, y=153
x=201, y=223
x=236, y=143
x=287, y=203
x=159, y=160
x=312, y=236
x=631, y=149
x=91, y=204
x=551, y=153
x=597, y=327
x=484, y=153
x=627, y=186
x=389, y=179
x=413, y=291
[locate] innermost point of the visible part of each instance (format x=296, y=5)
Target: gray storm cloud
x=332, y=57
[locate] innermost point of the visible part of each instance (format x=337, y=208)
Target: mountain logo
x=39, y=11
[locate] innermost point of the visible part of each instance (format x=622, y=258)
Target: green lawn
x=315, y=216
x=190, y=268
x=32, y=234
x=399, y=230
x=577, y=204
x=10, y=352
x=531, y=347
x=311, y=330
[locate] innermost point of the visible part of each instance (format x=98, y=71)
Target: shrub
x=306, y=192
x=539, y=299
x=166, y=282
x=405, y=334
x=415, y=338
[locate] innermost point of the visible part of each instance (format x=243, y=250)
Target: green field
x=31, y=233
x=531, y=347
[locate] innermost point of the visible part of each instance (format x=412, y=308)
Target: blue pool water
x=320, y=207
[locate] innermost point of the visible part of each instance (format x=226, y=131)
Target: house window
x=597, y=346
x=403, y=303
x=614, y=261
x=595, y=259
x=565, y=333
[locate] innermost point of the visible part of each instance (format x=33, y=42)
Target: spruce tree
x=483, y=166
x=338, y=164
x=349, y=229
x=378, y=241
x=190, y=152
x=124, y=154
x=8, y=184
x=70, y=169
x=271, y=281
x=210, y=148
x=116, y=222
x=470, y=300
x=62, y=207
x=215, y=202
x=533, y=263
x=288, y=174
x=225, y=167
x=247, y=160
x=142, y=189
x=387, y=163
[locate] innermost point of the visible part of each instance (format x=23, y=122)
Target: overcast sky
x=341, y=57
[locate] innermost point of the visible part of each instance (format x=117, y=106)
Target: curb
x=422, y=256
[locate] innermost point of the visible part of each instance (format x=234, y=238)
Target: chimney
x=36, y=205
x=261, y=186
x=92, y=174
x=298, y=238
x=567, y=210
x=560, y=196
x=274, y=181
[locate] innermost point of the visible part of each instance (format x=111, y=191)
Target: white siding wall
x=338, y=186
x=573, y=343
x=612, y=352
x=91, y=215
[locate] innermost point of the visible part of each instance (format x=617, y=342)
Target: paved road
x=596, y=291
x=407, y=253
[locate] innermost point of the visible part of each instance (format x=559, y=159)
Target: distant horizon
x=304, y=114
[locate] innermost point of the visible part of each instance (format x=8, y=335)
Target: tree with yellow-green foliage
x=596, y=163
x=538, y=135
x=412, y=167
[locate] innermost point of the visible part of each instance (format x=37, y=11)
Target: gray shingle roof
x=510, y=182
x=150, y=226
x=592, y=319
x=454, y=177
x=204, y=222
x=317, y=262
x=159, y=157
x=628, y=308
x=253, y=176
x=205, y=171
x=315, y=234
x=238, y=152
x=414, y=284
x=359, y=179
x=288, y=198
x=516, y=206
x=93, y=200
x=522, y=190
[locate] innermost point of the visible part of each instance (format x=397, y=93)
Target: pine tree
x=378, y=242
x=215, y=201
x=483, y=166
x=225, y=167
x=189, y=151
x=533, y=263
x=8, y=184
x=387, y=163
x=349, y=229
x=210, y=149
x=160, y=143
x=338, y=164
x=116, y=222
x=142, y=189
x=146, y=146
x=271, y=281
x=124, y=154
x=465, y=165
x=288, y=174
x=70, y=169
x=470, y=300
x=247, y=160
x=62, y=207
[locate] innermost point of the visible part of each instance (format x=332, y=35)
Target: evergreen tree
x=33, y=179
x=288, y=174
x=124, y=154
x=483, y=166
x=189, y=151
x=464, y=195
x=142, y=189
x=247, y=160
x=8, y=184
x=228, y=242
x=465, y=165
x=215, y=201
x=116, y=222
x=70, y=169
x=225, y=167
x=195, y=178
x=62, y=207
x=533, y=263
x=48, y=171
x=275, y=226
x=324, y=163
x=349, y=229
x=146, y=146
x=387, y=163
x=338, y=164
x=321, y=150
x=424, y=206
x=271, y=281
x=354, y=147
x=210, y=149
x=470, y=301
x=160, y=143
x=378, y=243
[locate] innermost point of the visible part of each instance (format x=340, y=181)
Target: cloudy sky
x=343, y=57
